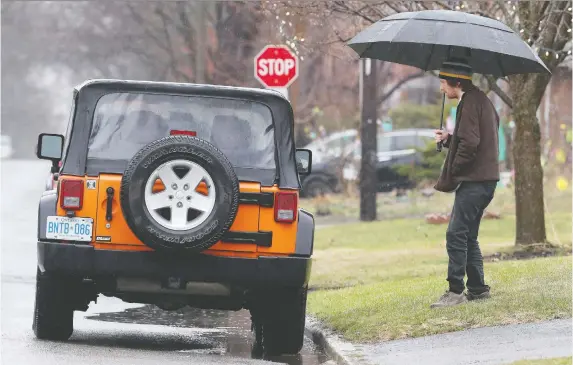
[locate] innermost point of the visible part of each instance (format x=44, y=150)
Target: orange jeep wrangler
x=176, y=195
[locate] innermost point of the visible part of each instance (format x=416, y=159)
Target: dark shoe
x=484, y=295
x=449, y=299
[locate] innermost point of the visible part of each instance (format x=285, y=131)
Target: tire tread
x=203, y=145
x=53, y=311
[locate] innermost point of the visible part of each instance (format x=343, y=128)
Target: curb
x=339, y=350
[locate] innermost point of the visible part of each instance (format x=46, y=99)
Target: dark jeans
x=463, y=248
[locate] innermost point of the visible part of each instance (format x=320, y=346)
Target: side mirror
x=303, y=161
x=50, y=147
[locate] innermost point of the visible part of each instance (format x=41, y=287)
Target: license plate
x=69, y=229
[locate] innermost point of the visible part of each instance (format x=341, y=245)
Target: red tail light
x=175, y=132
x=72, y=194
x=285, y=207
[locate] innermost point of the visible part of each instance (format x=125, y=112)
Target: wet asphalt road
x=111, y=331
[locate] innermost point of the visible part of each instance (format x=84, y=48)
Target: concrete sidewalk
x=488, y=345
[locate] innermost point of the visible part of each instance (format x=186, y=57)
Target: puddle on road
x=223, y=333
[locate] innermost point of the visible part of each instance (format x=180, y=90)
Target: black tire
x=279, y=319
x=317, y=187
x=53, y=307
x=151, y=157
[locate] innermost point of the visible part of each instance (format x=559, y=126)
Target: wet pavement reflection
x=224, y=333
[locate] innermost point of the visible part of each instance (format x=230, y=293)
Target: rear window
x=125, y=122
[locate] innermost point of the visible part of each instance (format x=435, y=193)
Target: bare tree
x=201, y=42
x=173, y=41
x=26, y=106
x=547, y=26
x=126, y=40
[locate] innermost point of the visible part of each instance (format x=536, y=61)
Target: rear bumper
x=84, y=260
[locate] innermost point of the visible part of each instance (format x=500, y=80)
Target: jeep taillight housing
x=285, y=207
x=71, y=194
x=175, y=132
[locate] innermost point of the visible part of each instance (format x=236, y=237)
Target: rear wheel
x=317, y=187
x=54, y=307
x=278, y=320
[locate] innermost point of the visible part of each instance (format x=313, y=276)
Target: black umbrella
x=425, y=39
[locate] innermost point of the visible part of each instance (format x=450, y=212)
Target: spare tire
x=179, y=218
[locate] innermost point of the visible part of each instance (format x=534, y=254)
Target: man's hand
x=440, y=135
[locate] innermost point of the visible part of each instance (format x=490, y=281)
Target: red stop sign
x=276, y=66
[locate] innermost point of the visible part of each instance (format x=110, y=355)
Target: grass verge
x=384, y=275
x=523, y=291
x=418, y=205
x=365, y=253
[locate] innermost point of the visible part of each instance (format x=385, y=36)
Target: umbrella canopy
x=425, y=39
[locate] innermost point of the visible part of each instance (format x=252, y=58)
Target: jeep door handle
x=109, y=192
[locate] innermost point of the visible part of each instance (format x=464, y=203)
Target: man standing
x=471, y=169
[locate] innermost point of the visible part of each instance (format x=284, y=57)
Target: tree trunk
x=200, y=42
x=527, y=91
x=368, y=180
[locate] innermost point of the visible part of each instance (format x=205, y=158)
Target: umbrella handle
x=439, y=144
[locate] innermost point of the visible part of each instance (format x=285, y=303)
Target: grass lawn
x=366, y=253
x=523, y=291
x=554, y=361
x=416, y=205
x=375, y=281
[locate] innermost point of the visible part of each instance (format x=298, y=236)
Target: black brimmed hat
x=455, y=70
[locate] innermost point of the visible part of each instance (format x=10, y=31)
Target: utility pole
x=368, y=137
x=200, y=43
x=299, y=33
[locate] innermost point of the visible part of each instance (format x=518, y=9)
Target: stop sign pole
x=276, y=67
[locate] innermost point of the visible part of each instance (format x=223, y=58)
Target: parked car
x=152, y=205
x=394, y=148
x=332, y=145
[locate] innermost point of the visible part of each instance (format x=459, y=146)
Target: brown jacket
x=473, y=148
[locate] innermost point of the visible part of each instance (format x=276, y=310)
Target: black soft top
x=87, y=94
